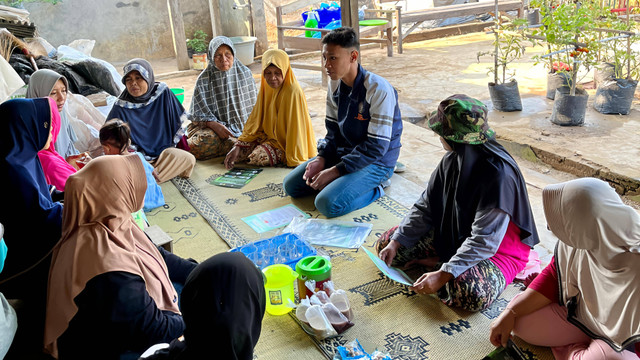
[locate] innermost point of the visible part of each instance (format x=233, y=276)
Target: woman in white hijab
x=586, y=303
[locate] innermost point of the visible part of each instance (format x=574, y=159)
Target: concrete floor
x=431, y=70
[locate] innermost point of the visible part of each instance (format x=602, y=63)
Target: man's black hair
x=344, y=37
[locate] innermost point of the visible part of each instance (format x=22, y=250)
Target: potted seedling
x=509, y=46
x=548, y=31
x=620, y=69
x=570, y=104
x=566, y=27
x=198, y=47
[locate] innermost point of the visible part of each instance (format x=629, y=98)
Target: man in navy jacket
x=362, y=143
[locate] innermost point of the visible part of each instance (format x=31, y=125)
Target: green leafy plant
x=510, y=46
x=619, y=51
x=198, y=44
x=571, y=44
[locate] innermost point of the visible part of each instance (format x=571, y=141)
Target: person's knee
x=191, y=159
x=466, y=296
x=293, y=184
x=329, y=205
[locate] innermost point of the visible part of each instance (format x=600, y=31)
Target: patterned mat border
x=219, y=222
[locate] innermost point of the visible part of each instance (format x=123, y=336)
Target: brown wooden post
x=349, y=14
x=259, y=21
x=280, y=31
x=179, y=38
x=390, y=35
x=399, y=26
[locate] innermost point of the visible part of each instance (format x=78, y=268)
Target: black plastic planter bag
x=614, y=96
x=505, y=97
x=556, y=81
x=569, y=110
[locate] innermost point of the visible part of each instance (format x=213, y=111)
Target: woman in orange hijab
x=279, y=129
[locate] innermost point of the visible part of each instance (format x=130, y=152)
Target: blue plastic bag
x=153, y=198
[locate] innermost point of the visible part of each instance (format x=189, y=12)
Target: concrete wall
x=125, y=29
x=234, y=21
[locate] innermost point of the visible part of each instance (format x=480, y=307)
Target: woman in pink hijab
x=56, y=169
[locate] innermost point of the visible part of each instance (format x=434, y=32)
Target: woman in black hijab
x=222, y=303
x=472, y=227
x=32, y=220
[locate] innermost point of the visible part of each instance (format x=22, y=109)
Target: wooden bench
x=417, y=17
x=313, y=44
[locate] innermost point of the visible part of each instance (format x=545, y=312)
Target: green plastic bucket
x=179, y=93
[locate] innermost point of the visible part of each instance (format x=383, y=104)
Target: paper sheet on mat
x=392, y=273
x=273, y=219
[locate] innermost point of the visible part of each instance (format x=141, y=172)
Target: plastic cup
x=286, y=251
x=298, y=250
x=277, y=241
x=256, y=258
x=269, y=255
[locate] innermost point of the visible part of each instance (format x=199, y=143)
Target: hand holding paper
x=392, y=273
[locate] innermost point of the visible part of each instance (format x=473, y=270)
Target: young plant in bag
x=510, y=44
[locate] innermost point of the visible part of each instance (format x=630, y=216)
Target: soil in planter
x=556, y=81
x=614, y=96
x=505, y=97
x=569, y=110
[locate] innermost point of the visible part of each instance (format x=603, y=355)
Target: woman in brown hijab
x=111, y=291
x=110, y=287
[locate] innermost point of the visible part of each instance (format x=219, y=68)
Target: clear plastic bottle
x=361, y=12
x=311, y=22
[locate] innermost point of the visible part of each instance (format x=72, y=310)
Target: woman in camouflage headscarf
x=472, y=228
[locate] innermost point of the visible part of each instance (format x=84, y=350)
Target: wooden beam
x=444, y=12
x=304, y=43
x=259, y=21
x=214, y=13
x=306, y=66
x=302, y=28
x=179, y=38
x=297, y=5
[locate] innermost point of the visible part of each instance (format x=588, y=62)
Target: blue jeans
x=343, y=195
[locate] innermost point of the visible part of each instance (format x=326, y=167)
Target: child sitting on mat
x=115, y=137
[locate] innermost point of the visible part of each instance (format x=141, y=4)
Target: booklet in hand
x=392, y=273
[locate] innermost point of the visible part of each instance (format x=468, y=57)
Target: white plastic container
x=245, y=48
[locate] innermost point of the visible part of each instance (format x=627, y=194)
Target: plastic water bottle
x=361, y=12
x=312, y=22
